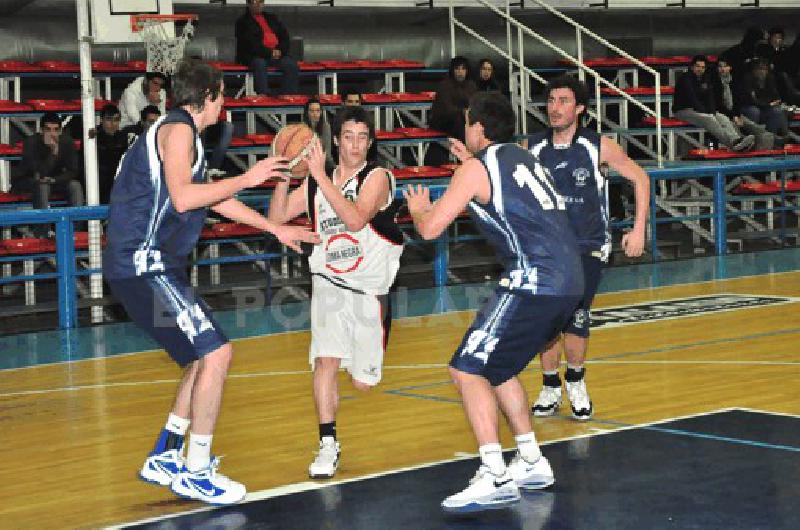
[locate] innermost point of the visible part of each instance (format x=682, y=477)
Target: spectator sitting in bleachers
x=694, y=103
x=773, y=50
x=314, y=117
x=740, y=55
x=787, y=72
x=149, y=89
x=760, y=100
x=49, y=165
x=452, y=97
x=726, y=102
x=111, y=145
x=147, y=117
x=351, y=99
x=263, y=41
x=487, y=82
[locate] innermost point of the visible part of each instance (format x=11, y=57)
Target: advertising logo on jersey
x=343, y=253
x=580, y=175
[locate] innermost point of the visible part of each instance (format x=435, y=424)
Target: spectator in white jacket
x=143, y=91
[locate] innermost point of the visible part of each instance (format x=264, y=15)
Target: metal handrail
x=577, y=62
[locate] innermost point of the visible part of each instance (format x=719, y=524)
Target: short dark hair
x=455, y=62
x=494, y=112
x=194, y=81
x=50, y=117
x=351, y=93
x=149, y=109
x=697, y=58
x=776, y=30
x=357, y=114
x=109, y=111
x=577, y=86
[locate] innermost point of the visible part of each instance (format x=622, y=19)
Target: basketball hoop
x=164, y=48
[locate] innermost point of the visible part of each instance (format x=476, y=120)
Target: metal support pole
x=65, y=259
x=721, y=229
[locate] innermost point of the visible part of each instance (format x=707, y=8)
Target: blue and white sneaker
x=531, y=475
x=207, y=485
x=161, y=468
x=485, y=492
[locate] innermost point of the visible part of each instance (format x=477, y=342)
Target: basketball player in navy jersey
x=513, y=202
x=573, y=156
x=157, y=210
x=351, y=271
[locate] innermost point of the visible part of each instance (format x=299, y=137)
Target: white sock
x=177, y=424
x=198, y=456
x=528, y=448
x=492, y=457
x=576, y=367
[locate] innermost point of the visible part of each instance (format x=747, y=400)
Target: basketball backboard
x=111, y=19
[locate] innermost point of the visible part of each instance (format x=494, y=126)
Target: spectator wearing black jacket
x=111, y=145
x=760, y=100
x=726, y=99
x=262, y=41
x=740, y=55
x=49, y=165
x=694, y=102
x=452, y=97
x=487, y=81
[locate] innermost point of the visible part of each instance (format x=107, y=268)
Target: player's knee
x=221, y=357
x=327, y=364
x=455, y=376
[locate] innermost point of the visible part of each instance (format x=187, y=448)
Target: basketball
x=290, y=142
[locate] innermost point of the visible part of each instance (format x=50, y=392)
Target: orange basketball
x=290, y=142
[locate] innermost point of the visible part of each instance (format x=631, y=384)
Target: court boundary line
x=302, y=487
x=445, y=313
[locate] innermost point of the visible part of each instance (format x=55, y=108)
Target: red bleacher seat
x=758, y=188
x=238, y=141
x=228, y=67
x=137, y=65
x=340, y=65
x=59, y=66
x=421, y=172
x=796, y=116
x=792, y=149
x=410, y=97
x=650, y=121
x=14, y=106
x=6, y=197
x=6, y=149
x=109, y=66
x=330, y=99
x=254, y=101
x=18, y=66
x=27, y=245
x=309, y=67
x=639, y=91
x=54, y=105
x=377, y=98
x=403, y=63
x=82, y=240
x=294, y=99
x=724, y=153
x=419, y=132
x=260, y=138
x=223, y=230
x=389, y=135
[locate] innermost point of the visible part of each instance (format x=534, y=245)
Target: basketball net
x=164, y=52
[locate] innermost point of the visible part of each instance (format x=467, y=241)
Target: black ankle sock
x=327, y=429
x=573, y=376
x=551, y=380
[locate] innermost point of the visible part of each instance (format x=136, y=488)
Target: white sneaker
x=327, y=460
x=207, y=485
x=548, y=401
x=531, y=476
x=579, y=399
x=161, y=468
x=485, y=492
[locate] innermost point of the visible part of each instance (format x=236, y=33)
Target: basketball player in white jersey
x=352, y=270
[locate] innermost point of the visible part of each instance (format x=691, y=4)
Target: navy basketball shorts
x=168, y=309
x=509, y=331
x=581, y=321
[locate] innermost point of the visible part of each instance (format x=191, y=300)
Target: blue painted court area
x=734, y=469
x=31, y=349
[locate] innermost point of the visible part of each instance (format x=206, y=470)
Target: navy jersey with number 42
x=526, y=222
x=146, y=235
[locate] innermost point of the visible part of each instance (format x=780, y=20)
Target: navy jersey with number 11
x=526, y=222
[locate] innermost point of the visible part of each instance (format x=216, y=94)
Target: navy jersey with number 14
x=526, y=222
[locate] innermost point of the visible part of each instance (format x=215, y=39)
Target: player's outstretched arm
x=373, y=195
x=289, y=235
x=469, y=181
x=612, y=154
x=176, y=145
